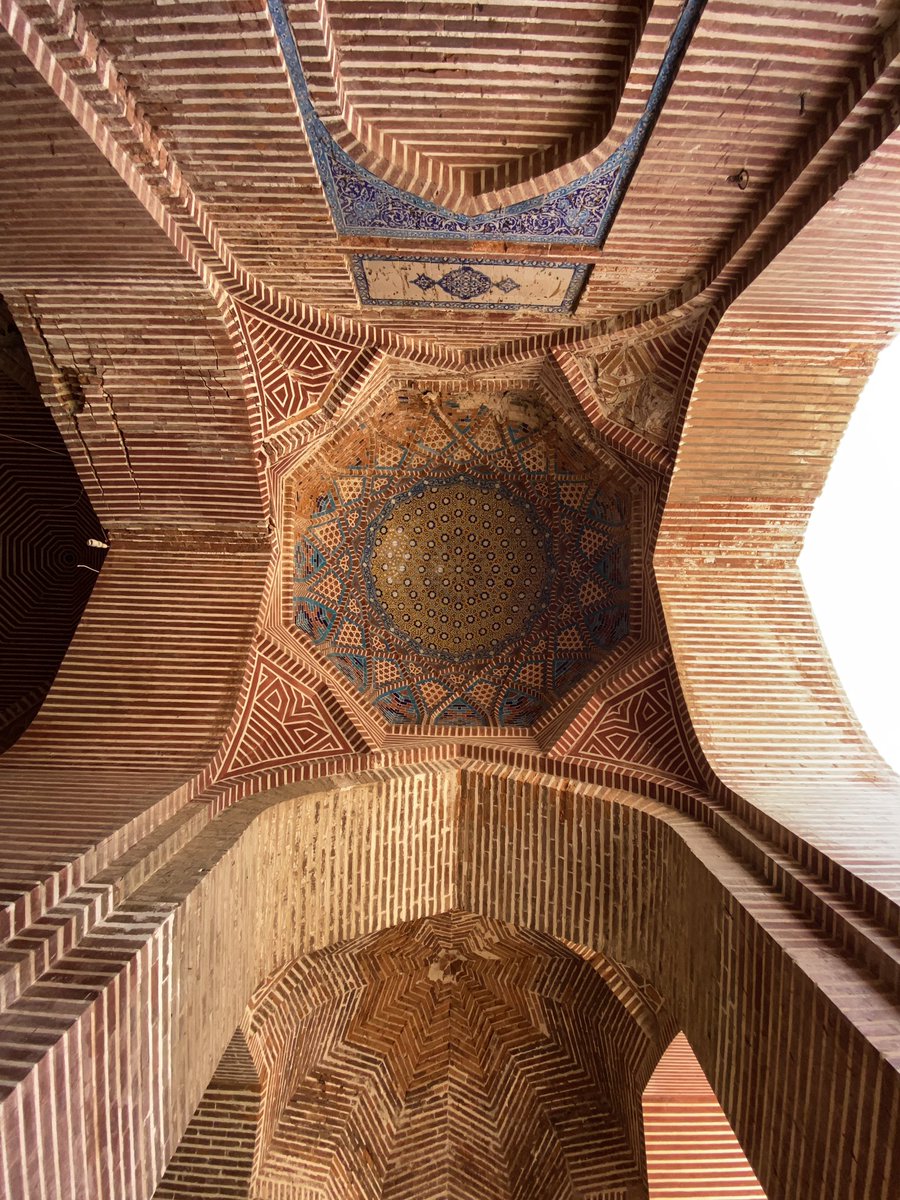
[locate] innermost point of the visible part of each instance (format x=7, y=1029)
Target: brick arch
x=460, y=1042
x=775, y=389
x=296, y=1059
x=777, y=1018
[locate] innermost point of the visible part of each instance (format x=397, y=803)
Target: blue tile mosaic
x=579, y=213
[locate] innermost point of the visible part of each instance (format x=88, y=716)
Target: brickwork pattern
x=690, y=1145
x=201, y=802
x=598, y=868
x=776, y=388
x=47, y=566
x=214, y=1160
x=454, y=1056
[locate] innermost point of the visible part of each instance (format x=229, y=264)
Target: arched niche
x=776, y=1018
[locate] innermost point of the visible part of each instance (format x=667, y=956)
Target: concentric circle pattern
x=459, y=569
x=461, y=560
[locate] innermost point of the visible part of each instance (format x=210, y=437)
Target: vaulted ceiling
x=450, y=383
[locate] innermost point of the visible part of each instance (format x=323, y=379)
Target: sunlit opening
x=692, y=1152
x=850, y=557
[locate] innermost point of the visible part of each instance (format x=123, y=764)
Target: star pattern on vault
x=461, y=563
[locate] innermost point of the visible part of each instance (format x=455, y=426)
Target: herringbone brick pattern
x=451, y=1058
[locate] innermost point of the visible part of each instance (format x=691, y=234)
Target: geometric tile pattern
x=285, y=721
x=293, y=370
x=461, y=560
x=454, y=1057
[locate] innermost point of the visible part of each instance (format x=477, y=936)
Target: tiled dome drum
x=461, y=559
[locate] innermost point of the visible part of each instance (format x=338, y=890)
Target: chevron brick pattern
x=452, y=1058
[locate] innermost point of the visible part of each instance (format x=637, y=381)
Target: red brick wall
x=214, y=1159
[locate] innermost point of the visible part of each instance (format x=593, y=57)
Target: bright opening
x=851, y=558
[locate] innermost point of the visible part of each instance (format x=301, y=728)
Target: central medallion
x=459, y=568
x=460, y=558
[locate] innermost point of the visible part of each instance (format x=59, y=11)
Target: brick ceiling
x=495, y=95
x=450, y=1057
x=265, y=411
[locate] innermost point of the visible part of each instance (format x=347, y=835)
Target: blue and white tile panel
x=385, y=280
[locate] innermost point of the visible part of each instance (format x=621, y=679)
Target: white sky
x=851, y=558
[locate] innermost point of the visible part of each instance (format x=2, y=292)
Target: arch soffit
x=593, y=866
x=775, y=388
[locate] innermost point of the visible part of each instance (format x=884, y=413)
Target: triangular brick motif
x=294, y=370
x=284, y=721
x=641, y=727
